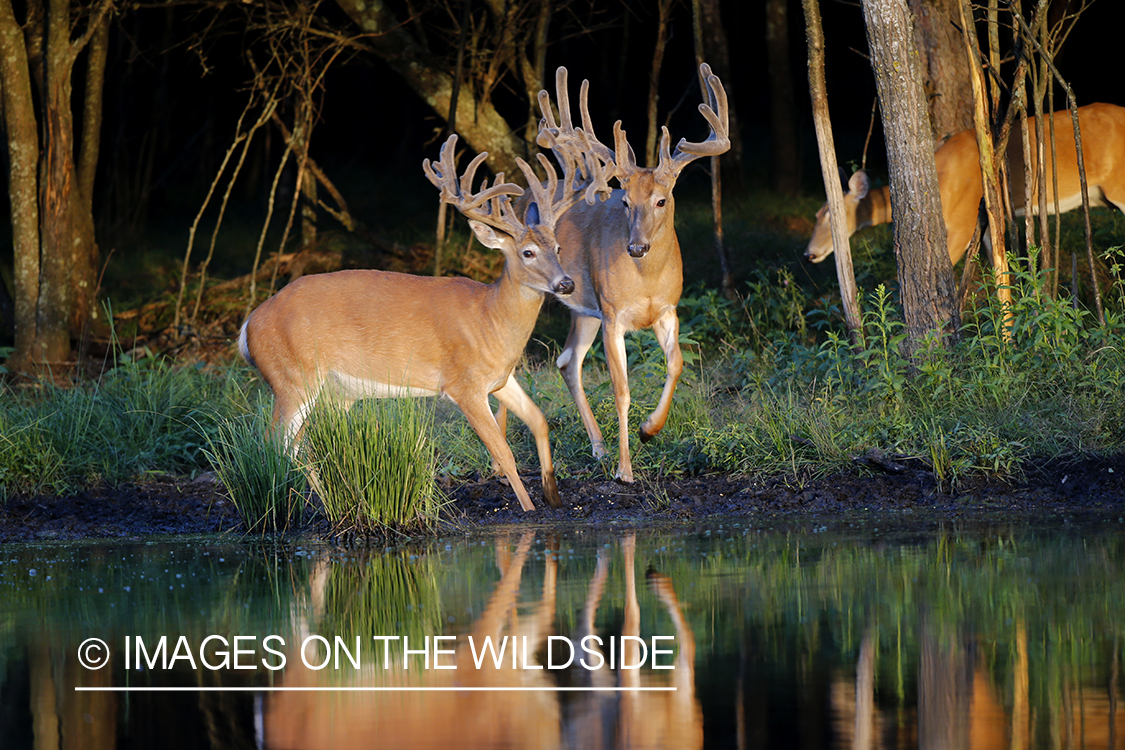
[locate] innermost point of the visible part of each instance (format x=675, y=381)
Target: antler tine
x=716, y=113
x=545, y=197
x=459, y=193
x=563, y=135
x=562, y=94
x=624, y=157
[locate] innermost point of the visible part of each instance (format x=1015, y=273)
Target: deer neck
x=512, y=309
x=665, y=248
x=874, y=208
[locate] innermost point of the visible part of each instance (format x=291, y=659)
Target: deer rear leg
x=667, y=329
x=514, y=398
x=483, y=421
x=613, y=337
x=583, y=331
x=290, y=413
x=502, y=423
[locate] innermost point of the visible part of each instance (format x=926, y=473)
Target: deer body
x=383, y=342
x=959, y=179
x=375, y=334
x=617, y=293
x=624, y=255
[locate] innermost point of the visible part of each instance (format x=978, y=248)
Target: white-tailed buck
x=376, y=334
x=623, y=254
x=959, y=179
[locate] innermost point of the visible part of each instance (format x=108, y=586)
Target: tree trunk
x=533, y=67
x=23, y=159
x=700, y=10
x=830, y=171
x=786, y=177
x=480, y=124
x=989, y=167
x=662, y=8
x=53, y=224
x=929, y=293
x=64, y=250
x=89, y=142
x=945, y=73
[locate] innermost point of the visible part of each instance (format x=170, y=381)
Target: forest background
x=208, y=113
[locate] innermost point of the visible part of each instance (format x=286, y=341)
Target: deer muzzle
x=637, y=250
x=563, y=286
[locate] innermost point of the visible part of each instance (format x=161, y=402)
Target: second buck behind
x=623, y=254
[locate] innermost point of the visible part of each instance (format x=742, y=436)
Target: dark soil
x=1086, y=488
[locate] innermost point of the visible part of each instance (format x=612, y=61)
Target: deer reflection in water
x=543, y=718
x=961, y=704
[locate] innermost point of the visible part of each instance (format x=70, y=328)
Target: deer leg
x=513, y=397
x=613, y=337
x=667, y=329
x=583, y=331
x=684, y=677
x=632, y=623
x=502, y=423
x=289, y=415
x=483, y=421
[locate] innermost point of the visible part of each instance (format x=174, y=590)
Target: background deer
x=376, y=334
x=623, y=254
x=959, y=179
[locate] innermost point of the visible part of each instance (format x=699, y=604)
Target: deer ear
x=487, y=235
x=859, y=184
x=531, y=218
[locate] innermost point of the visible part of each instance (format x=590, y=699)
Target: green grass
x=143, y=417
x=374, y=465
x=772, y=386
x=264, y=483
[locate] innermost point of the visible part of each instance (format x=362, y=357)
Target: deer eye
x=660, y=203
x=558, y=249
x=529, y=254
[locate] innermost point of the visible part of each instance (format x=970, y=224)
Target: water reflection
x=544, y=718
x=965, y=639
x=962, y=704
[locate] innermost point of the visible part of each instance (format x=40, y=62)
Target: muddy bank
x=171, y=505
x=168, y=505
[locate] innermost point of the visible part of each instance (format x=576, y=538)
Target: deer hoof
x=551, y=491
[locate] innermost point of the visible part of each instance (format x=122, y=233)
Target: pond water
x=724, y=635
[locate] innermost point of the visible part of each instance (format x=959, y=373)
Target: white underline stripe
x=203, y=689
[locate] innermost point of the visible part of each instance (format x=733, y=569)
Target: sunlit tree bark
x=925, y=273
x=55, y=263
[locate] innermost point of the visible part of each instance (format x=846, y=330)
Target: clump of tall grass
x=373, y=465
x=263, y=481
x=29, y=464
x=138, y=418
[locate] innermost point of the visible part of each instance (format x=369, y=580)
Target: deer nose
x=637, y=250
x=564, y=286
